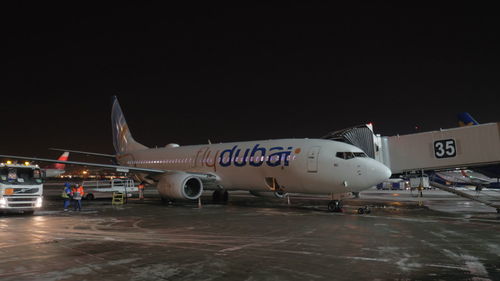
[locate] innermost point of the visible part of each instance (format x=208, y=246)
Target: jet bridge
x=475, y=147
x=360, y=136
x=462, y=147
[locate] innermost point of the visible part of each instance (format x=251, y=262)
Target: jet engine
x=180, y=186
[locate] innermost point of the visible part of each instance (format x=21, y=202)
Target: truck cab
x=21, y=187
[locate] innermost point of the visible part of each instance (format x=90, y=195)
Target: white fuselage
x=295, y=165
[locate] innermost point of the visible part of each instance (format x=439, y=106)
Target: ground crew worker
x=141, y=190
x=77, y=196
x=66, y=196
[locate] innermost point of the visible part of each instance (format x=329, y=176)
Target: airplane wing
x=84, y=152
x=118, y=168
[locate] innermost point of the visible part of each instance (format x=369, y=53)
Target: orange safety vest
x=140, y=186
x=78, y=189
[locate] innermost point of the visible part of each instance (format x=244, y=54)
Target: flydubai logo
x=256, y=156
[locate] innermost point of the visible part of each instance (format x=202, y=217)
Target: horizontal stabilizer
x=85, y=152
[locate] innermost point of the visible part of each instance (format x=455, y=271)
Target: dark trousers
x=66, y=203
x=78, y=205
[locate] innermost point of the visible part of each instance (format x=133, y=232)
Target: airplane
x=310, y=166
x=56, y=169
x=464, y=178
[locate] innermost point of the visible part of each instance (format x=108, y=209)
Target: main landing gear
x=364, y=210
x=220, y=196
x=335, y=206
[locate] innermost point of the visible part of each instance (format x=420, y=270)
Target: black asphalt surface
x=248, y=239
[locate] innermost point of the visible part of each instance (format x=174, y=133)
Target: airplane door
x=312, y=159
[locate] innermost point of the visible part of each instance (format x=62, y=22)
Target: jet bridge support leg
x=465, y=195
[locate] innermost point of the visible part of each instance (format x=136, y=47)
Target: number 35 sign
x=445, y=148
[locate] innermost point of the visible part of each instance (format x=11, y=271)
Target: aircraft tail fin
x=122, y=138
x=465, y=119
x=63, y=157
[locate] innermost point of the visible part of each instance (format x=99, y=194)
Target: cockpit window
x=349, y=155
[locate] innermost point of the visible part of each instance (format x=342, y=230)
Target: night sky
x=186, y=74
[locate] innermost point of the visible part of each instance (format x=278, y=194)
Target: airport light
x=9, y=162
x=26, y=163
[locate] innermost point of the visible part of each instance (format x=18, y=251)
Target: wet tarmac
x=251, y=239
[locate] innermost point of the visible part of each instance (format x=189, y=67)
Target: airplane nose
x=379, y=172
x=386, y=172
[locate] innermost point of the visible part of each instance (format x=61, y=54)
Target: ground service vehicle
x=21, y=187
x=106, y=188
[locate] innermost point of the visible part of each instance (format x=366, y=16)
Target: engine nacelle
x=180, y=186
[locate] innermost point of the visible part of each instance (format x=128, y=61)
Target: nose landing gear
x=335, y=206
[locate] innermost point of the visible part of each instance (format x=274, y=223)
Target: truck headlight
x=38, y=203
x=3, y=202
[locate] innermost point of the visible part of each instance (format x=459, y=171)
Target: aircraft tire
x=335, y=206
x=225, y=197
x=216, y=196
